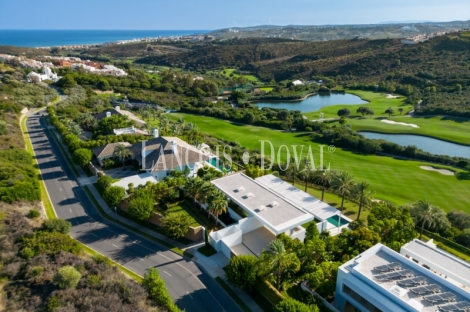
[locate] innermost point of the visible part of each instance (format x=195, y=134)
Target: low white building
x=47, y=74
x=273, y=207
x=380, y=279
x=297, y=83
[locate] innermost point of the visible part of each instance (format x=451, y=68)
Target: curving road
x=191, y=288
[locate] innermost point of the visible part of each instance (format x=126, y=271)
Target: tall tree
x=324, y=178
x=427, y=214
x=307, y=169
x=217, y=204
x=344, y=184
x=277, y=260
x=122, y=152
x=364, y=196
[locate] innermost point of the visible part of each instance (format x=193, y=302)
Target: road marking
x=189, y=294
x=94, y=235
x=141, y=259
x=167, y=273
x=115, y=246
x=70, y=210
x=60, y=189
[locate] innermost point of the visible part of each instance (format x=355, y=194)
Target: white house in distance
x=381, y=279
x=297, y=83
x=47, y=74
x=273, y=207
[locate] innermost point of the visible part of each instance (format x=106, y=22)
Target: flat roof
x=275, y=212
x=438, y=259
x=138, y=179
x=366, y=265
x=313, y=205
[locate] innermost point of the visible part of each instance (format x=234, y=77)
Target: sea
x=52, y=38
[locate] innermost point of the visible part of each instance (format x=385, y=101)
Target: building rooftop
x=138, y=179
x=108, y=149
x=439, y=260
x=165, y=153
x=406, y=284
x=276, y=212
x=313, y=205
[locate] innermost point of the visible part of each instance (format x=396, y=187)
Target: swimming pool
x=334, y=220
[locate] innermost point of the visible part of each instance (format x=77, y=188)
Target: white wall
x=235, y=216
x=300, y=234
x=230, y=241
x=249, y=224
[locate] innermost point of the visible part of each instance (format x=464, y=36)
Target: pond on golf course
x=431, y=145
x=314, y=102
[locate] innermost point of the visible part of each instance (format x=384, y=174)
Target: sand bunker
x=389, y=96
x=441, y=171
x=399, y=123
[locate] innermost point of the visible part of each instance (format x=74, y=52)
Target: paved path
x=191, y=288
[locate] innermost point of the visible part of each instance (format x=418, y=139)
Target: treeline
x=437, y=66
x=346, y=138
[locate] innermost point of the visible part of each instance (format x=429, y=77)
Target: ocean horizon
x=52, y=38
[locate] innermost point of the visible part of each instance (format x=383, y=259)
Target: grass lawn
x=452, y=129
x=230, y=71
x=183, y=208
x=377, y=102
x=397, y=181
x=268, y=89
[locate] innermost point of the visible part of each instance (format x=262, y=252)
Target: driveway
x=119, y=173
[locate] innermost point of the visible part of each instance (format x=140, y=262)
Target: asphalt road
x=191, y=288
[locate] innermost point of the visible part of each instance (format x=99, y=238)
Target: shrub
x=33, y=214
x=105, y=181
x=67, y=277
x=37, y=270
x=113, y=195
x=292, y=305
x=82, y=156
x=141, y=208
x=108, y=162
x=242, y=271
x=57, y=225
x=48, y=243
x=176, y=225
x=156, y=288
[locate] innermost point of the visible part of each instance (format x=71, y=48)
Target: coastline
x=46, y=39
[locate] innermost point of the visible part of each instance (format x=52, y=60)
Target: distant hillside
x=440, y=64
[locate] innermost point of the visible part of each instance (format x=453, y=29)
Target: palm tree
x=343, y=184
x=364, y=195
x=217, y=204
x=294, y=169
x=307, y=169
x=148, y=127
x=279, y=259
x=122, y=152
x=86, y=120
x=426, y=213
x=324, y=178
x=164, y=124
x=74, y=128
x=192, y=188
x=204, y=192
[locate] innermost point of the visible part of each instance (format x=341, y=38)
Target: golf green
x=397, y=181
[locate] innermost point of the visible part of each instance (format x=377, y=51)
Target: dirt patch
x=441, y=171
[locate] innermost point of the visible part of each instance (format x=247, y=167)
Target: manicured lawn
x=268, y=89
x=453, y=129
x=378, y=102
x=397, y=181
x=229, y=71
x=183, y=208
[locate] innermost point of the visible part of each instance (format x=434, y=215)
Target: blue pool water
x=334, y=220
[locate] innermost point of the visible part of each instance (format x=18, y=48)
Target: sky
x=216, y=14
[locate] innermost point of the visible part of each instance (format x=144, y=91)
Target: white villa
x=47, y=74
x=297, y=83
x=273, y=207
x=422, y=278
